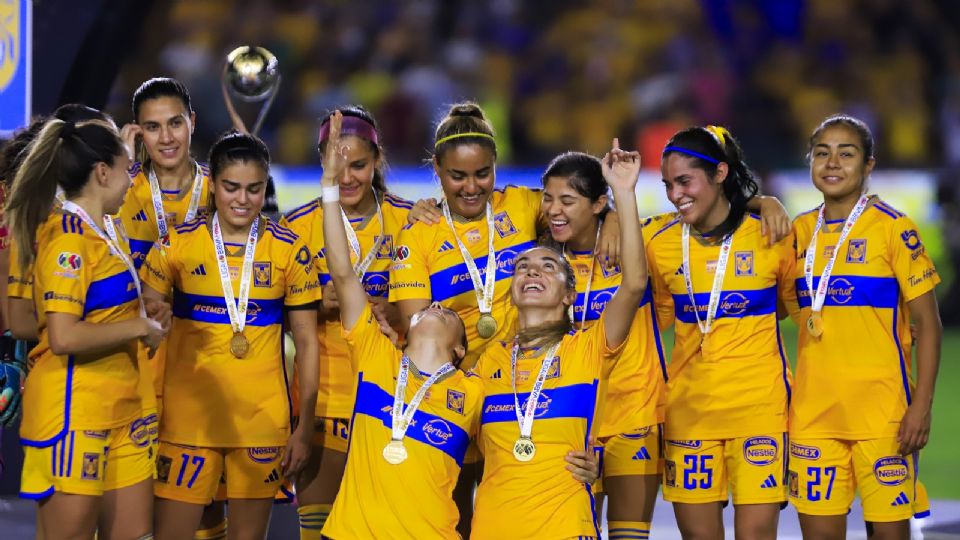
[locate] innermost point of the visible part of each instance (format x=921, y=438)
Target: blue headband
x=690, y=153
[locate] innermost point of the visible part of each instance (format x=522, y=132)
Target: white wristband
x=330, y=193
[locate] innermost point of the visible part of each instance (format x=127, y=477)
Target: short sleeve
x=300, y=278
x=410, y=269
x=662, y=299
x=157, y=269
x=786, y=250
x=64, y=268
x=910, y=261
x=367, y=343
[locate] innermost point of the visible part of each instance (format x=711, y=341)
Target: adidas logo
x=141, y=216
x=901, y=500
x=496, y=375
x=199, y=271
x=770, y=482
x=446, y=246
x=679, y=271
x=642, y=454
x=274, y=476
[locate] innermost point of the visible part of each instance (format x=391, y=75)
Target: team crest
x=385, y=250
x=611, y=271
x=670, y=473
x=455, y=401
x=91, y=466
x=857, y=251
x=794, y=483
x=553, y=371
x=503, y=225
x=163, y=468
x=262, y=272
x=744, y=263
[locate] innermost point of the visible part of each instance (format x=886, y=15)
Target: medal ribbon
x=483, y=289
x=816, y=303
x=157, y=198
x=526, y=419
x=113, y=242
x=707, y=325
x=360, y=267
x=401, y=416
x=237, y=313
x=593, y=262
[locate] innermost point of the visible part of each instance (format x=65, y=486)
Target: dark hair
x=159, y=87
x=357, y=111
x=64, y=154
x=462, y=118
x=583, y=172
x=233, y=147
x=554, y=331
x=714, y=146
x=857, y=125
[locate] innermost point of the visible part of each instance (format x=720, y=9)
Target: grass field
x=940, y=461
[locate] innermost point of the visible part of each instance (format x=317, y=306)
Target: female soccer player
x=415, y=412
x=375, y=218
x=858, y=419
x=81, y=399
x=233, y=276
x=560, y=375
x=728, y=385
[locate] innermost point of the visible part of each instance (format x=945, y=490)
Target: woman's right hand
x=329, y=301
x=129, y=134
x=425, y=211
x=334, y=159
x=153, y=334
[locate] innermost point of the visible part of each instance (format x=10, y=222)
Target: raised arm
x=350, y=294
x=621, y=170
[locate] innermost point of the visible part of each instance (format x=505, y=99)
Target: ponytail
x=64, y=154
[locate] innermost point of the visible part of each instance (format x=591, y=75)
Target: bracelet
x=330, y=193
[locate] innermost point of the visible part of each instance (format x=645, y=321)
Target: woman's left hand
x=774, y=220
x=583, y=464
x=298, y=450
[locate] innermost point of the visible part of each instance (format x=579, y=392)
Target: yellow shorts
x=637, y=452
x=825, y=475
x=752, y=468
x=87, y=462
x=332, y=433
x=193, y=475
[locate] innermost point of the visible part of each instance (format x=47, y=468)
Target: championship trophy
x=251, y=74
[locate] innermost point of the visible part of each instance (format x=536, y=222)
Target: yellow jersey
x=75, y=274
x=414, y=498
x=212, y=399
x=337, y=374
x=741, y=387
x=428, y=264
x=848, y=387
x=140, y=218
x=539, y=498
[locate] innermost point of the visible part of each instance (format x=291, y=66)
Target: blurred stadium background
x=558, y=75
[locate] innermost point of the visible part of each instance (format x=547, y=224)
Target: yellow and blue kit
x=414, y=498
x=539, y=498
x=428, y=264
x=851, y=393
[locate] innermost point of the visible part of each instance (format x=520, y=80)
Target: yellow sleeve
x=909, y=259
x=300, y=277
x=63, y=268
x=368, y=346
x=157, y=269
x=19, y=284
x=662, y=298
x=787, y=273
x=410, y=271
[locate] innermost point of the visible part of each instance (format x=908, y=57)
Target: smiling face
x=442, y=323
x=238, y=192
x=838, y=165
x=467, y=176
x=167, y=129
x=571, y=216
x=698, y=198
x=541, y=279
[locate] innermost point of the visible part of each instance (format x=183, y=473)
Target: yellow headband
x=458, y=135
x=720, y=133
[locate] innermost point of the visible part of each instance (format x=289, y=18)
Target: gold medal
x=394, y=452
x=524, y=449
x=486, y=326
x=815, y=324
x=239, y=346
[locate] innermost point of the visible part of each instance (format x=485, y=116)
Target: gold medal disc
x=486, y=326
x=394, y=452
x=239, y=346
x=815, y=325
x=524, y=449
